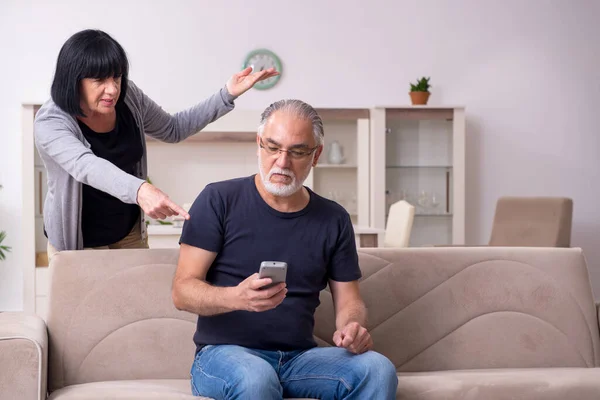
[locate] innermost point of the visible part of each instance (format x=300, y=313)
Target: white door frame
x=27, y=256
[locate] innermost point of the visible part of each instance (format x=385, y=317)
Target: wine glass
x=435, y=202
x=423, y=201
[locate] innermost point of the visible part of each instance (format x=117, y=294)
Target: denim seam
x=280, y=364
x=214, y=377
x=331, y=378
x=195, y=389
x=199, y=368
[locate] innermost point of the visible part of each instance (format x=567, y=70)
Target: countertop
x=164, y=230
x=158, y=230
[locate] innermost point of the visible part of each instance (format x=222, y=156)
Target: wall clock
x=260, y=59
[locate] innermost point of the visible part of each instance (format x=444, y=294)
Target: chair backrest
x=532, y=221
x=399, y=224
x=448, y=308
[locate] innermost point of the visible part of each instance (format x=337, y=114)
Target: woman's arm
x=163, y=126
x=55, y=140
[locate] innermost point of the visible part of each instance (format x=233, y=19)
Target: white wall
x=526, y=70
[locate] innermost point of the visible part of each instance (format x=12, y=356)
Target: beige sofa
x=459, y=323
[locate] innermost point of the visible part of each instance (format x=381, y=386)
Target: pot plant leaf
x=3, y=249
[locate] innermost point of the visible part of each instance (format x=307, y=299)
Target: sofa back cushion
x=482, y=307
x=111, y=317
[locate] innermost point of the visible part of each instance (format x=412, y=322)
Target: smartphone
x=276, y=270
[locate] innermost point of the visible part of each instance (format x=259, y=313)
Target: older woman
x=91, y=138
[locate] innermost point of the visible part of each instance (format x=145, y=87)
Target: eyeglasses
x=296, y=154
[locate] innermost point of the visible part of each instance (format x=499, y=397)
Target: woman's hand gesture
x=240, y=82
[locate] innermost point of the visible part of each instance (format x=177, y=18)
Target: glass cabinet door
x=418, y=169
x=422, y=152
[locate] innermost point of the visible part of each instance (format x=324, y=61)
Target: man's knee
x=255, y=380
x=375, y=367
x=228, y=372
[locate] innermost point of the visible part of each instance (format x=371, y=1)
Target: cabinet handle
x=388, y=130
x=447, y=191
x=40, y=195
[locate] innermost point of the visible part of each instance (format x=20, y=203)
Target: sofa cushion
x=434, y=309
x=489, y=384
x=111, y=317
x=163, y=389
x=128, y=390
x=501, y=384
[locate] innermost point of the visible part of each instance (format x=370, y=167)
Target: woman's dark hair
x=87, y=54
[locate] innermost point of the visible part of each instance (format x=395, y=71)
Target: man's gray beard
x=281, y=189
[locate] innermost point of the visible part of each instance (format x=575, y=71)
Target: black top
x=106, y=219
x=318, y=243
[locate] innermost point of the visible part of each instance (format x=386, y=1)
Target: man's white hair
x=301, y=110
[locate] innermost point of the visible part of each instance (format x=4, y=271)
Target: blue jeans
x=235, y=372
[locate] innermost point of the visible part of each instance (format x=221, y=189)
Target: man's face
x=286, y=153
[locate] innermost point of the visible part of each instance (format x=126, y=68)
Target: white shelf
x=346, y=183
x=419, y=166
x=422, y=107
x=336, y=166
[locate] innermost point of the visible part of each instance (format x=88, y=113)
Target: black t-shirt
x=106, y=219
x=318, y=243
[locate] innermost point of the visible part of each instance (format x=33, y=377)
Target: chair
x=532, y=222
x=399, y=224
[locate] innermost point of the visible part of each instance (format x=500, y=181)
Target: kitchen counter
x=168, y=235
x=164, y=230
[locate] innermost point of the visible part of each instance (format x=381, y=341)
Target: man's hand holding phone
x=255, y=293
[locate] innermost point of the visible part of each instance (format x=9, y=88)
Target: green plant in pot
x=3, y=249
x=419, y=91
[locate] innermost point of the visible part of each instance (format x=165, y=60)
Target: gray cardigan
x=70, y=162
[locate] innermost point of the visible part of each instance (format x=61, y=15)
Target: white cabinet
x=345, y=181
x=418, y=154
x=226, y=149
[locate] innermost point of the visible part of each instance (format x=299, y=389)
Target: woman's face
x=99, y=96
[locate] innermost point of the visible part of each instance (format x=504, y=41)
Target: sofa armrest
x=24, y=355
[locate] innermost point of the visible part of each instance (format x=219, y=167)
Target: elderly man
x=255, y=342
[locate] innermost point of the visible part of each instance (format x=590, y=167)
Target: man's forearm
x=199, y=297
x=351, y=312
